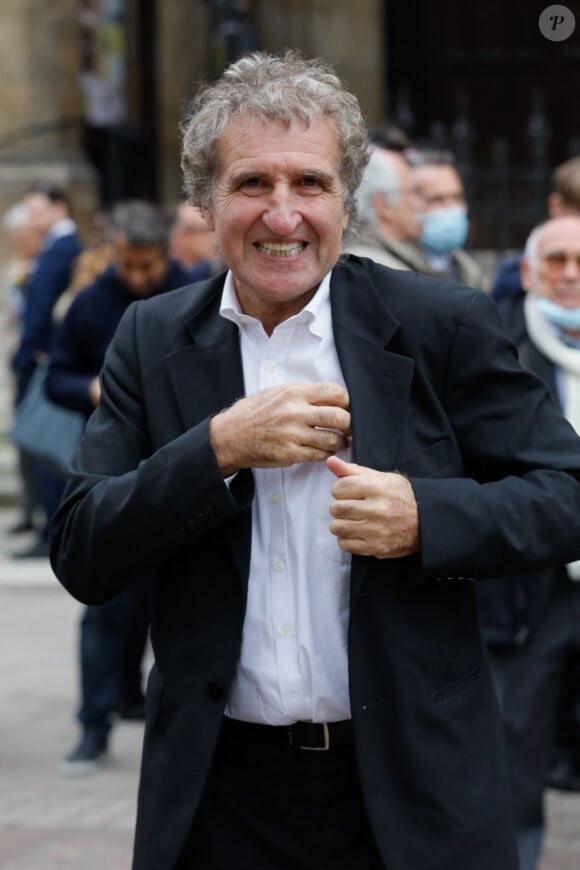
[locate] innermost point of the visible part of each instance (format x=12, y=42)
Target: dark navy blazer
x=50, y=279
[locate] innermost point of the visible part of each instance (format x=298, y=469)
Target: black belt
x=300, y=735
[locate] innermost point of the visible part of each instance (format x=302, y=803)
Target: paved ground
x=50, y=822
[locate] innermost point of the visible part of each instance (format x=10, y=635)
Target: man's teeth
x=281, y=249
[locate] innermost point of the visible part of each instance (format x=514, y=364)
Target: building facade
x=94, y=91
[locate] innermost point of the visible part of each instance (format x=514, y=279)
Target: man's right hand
x=281, y=426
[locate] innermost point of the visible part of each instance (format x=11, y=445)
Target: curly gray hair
x=270, y=87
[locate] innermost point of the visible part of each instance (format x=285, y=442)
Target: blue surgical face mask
x=445, y=228
x=565, y=318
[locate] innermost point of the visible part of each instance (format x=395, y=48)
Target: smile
x=281, y=249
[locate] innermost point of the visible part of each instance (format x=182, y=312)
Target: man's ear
x=380, y=205
x=208, y=217
x=525, y=274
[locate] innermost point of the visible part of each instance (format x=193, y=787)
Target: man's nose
x=281, y=214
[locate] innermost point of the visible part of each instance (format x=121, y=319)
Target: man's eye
x=251, y=183
x=311, y=181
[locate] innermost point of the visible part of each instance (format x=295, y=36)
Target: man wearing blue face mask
x=444, y=218
x=532, y=622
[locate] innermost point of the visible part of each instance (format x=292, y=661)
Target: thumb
x=341, y=468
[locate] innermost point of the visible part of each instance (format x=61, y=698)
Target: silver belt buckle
x=326, y=746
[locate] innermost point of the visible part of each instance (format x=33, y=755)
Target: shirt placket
x=282, y=595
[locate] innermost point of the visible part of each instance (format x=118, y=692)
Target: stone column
x=40, y=102
x=182, y=61
x=348, y=34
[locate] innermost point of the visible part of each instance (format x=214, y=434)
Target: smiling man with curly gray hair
x=315, y=455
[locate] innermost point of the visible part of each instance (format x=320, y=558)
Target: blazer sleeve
x=518, y=506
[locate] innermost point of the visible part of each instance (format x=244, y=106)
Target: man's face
x=556, y=274
x=278, y=212
x=142, y=268
x=42, y=212
x=438, y=186
x=26, y=239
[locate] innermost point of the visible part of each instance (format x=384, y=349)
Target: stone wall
x=40, y=104
x=182, y=61
x=348, y=34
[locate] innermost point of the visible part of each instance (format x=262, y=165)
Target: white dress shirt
x=293, y=662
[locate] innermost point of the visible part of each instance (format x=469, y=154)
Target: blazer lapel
x=377, y=378
x=206, y=372
x=206, y=376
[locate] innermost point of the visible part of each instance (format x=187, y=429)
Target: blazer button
x=216, y=690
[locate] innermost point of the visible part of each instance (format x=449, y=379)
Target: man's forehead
x=37, y=201
x=438, y=176
x=560, y=235
x=248, y=137
x=131, y=250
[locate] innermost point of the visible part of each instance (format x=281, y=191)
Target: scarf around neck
x=567, y=359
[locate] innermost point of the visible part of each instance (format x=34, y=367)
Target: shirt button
x=270, y=366
x=275, y=498
x=283, y=630
x=279, y=565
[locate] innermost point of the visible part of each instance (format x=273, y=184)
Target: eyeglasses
x=557, y=260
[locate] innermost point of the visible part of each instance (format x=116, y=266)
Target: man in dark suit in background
x=49, y=211
x=315, y=455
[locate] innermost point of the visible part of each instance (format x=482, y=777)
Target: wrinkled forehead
x=438, y=179
x=246, y=130
x=37, y=204
x=560, y=236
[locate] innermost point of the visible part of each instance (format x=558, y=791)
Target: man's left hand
x=375, y=512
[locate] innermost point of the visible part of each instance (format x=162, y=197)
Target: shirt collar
x=63, y=227
x=316, y=313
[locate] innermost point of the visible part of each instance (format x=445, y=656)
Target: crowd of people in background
x=415, y=217
x=64, y=297
x=63, y=301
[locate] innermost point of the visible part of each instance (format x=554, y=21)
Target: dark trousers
x=29, y=498
x=112, y=643
x=527, y=680
x=274, y=807
x=567, y=737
